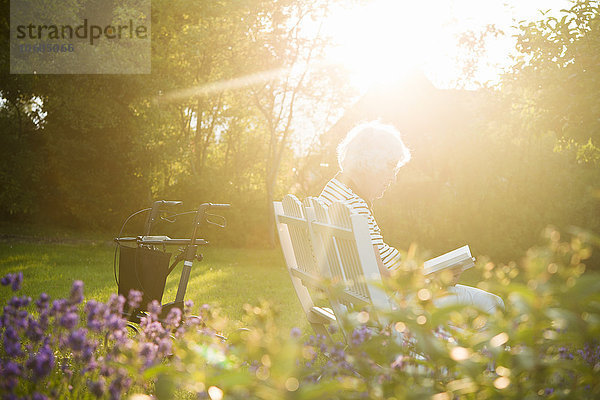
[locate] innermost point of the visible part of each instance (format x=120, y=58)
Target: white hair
x=372, y=146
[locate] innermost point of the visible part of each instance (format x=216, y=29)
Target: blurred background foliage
x=492, y=167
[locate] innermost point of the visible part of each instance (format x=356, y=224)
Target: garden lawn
x=227, y=278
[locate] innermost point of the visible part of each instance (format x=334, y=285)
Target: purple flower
x=92, y=365
x=67, y=372
x=173, y=317
x=16, y=283
x=58, y=307
x=14, y=280
x=98, y=388
x=69, y=320
x=121, y=337
x=12, y=344
x=11, y=368
x=115, y=322
x=77, y=339
x=154, y=308
x=34, y=331
x=22, y=319
x=164, y=346
x=18, y=302
x=295, y=333
x=106, y=370
x=42, y=302
x=87, y=354
x=338, y=354
x=192, y=320
x=179, y=332
x=590, y=353
x=120, y=384
x=92, y=307
x=10, y=373
x=565, y=354
x=148, y=352
x=41, y=363
x=134, y=299
x=9, y=383
x=152, y=329
x=187, y=307
x=116, y=303
x=360, y=335
x=76, y=296
x=38, y=396
x=96, y=315
x=43, y=320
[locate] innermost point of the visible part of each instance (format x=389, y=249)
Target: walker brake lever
x=223, y=220
x=167, y=219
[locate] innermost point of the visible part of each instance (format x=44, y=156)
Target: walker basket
x=144, y=270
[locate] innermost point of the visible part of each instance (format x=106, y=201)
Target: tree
x=556, y=78
x=297, y=89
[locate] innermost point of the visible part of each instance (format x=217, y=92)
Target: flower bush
x=544, y=345
x=63, y=349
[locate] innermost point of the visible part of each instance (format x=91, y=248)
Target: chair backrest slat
x=299, y=233
x=345, y=239
x=322, y=231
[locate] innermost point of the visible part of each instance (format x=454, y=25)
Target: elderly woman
x=369, y=158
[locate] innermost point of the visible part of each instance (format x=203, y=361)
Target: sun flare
x=381, y=41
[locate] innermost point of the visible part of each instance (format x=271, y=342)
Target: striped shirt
x=337, y=191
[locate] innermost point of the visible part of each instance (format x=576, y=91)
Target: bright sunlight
x=382, y=40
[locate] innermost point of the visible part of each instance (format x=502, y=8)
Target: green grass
x=227, y=278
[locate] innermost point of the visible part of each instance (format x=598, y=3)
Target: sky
x=385, y=37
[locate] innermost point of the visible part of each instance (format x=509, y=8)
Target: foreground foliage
x=543, y=345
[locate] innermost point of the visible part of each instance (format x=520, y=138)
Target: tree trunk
x=271, y=218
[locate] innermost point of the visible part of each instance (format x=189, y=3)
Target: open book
x=460, y=257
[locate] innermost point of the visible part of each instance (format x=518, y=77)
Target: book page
x=451, y=259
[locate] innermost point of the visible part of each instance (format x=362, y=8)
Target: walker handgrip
x=223, y=206
x=170, y=202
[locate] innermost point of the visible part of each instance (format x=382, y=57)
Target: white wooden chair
x=307, y=278
x=342, y=241
x=324, y=246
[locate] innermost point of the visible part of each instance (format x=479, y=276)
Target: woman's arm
x=385, y=273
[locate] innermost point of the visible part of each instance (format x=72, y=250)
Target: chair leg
x=321, y=329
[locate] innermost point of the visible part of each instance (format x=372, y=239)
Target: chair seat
x=322, y=315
